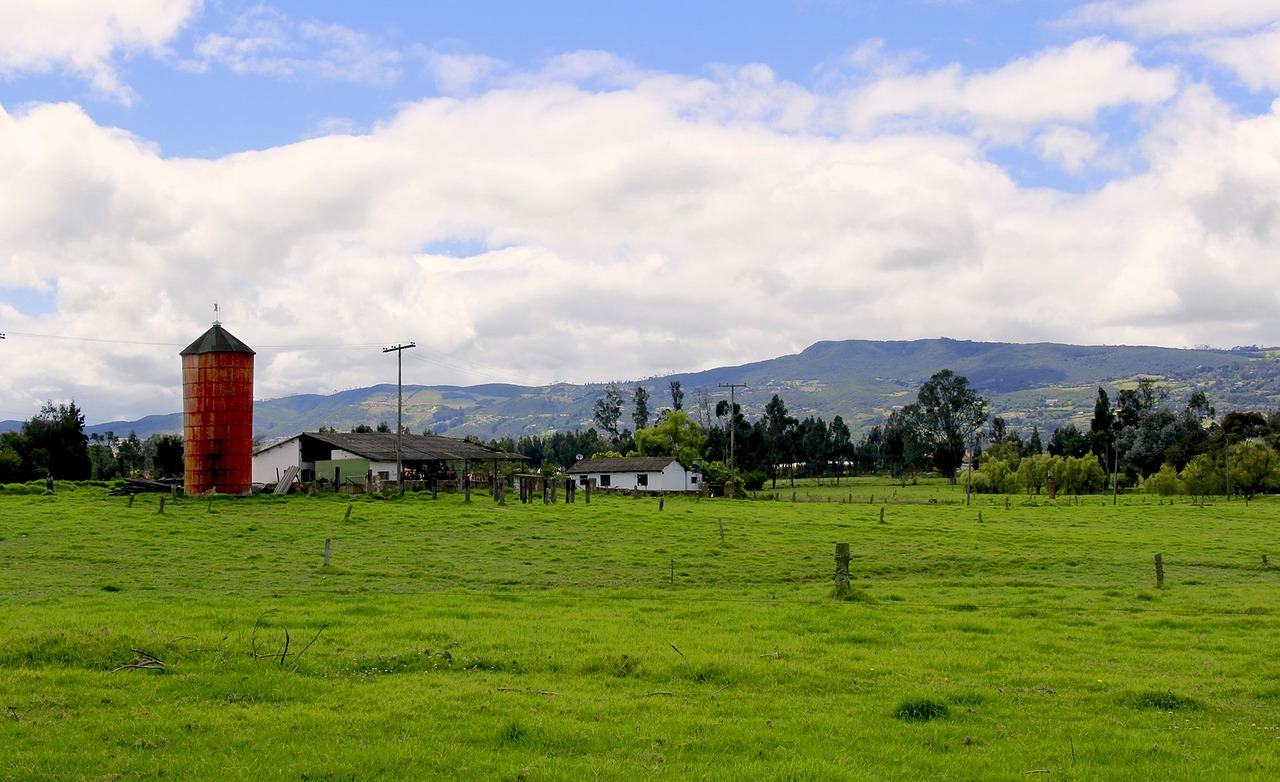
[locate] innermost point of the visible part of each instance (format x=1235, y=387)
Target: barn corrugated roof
x=216, y=340
x=623, y=464
x=381, y=447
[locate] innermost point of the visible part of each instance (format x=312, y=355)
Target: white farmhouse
x=646, y=473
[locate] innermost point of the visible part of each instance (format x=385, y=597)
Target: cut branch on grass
x=145, y=661
x=314, y=638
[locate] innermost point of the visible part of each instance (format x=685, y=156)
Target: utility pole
x=733, y=425
x=399, y=351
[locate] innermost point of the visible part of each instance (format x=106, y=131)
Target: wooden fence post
x=1159, y=571
x=347, y=517
x=326, y=552
x=842, y=566
x=161, y=505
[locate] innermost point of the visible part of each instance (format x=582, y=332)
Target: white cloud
x=1070, y=84
x=660, y=223
x=1179, y=17
x=457, y=74
x=1253, y=58
x=1071, y=149
x=84, y=37
x=266, y=41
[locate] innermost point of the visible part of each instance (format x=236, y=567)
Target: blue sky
x=591, y=191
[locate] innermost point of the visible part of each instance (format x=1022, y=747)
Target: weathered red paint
x=217, y=414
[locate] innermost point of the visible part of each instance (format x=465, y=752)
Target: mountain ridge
x=1041, y=384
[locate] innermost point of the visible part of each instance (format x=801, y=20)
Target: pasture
x=616, y=640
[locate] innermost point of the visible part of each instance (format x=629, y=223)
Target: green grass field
x=616, y=640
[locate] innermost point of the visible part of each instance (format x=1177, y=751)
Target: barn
x=643, y=473
x=368, y=459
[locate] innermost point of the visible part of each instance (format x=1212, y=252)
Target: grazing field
x=618, y=640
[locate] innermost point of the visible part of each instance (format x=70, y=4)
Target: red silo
x=217, y=413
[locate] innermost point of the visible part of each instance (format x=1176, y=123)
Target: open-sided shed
x=370, y=457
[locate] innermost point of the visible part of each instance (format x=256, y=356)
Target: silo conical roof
x=216, y=340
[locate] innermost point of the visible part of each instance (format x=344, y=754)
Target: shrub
x=1165, y=483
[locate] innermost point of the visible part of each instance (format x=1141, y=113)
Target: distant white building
x=646, y=473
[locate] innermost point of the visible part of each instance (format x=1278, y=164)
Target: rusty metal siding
x=217, y=422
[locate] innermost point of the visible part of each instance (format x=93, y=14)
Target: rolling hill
x=1045, y=384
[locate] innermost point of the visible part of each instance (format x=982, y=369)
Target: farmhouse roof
x=381, y=447
x=623, y=464
x=216, y=340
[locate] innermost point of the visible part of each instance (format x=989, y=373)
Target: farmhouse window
x=604, y=480
x=583, y=480
x=642, y=480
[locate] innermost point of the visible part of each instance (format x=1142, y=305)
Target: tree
x=841, y=440
x=608, y=412
x=1079, y=475
x=677, y=395
x=103, y=465
x=1102, y=430
x=1143, y=446
x=778, y=429
x=1255, y=468
x=1034, y=446
x=947, y=415
x=383, y=426
x=168, y=459
x=1133, y=402
x=58, y=444
x=129, y=453
x=903, y=451
x=675, y=434
x=1203, y=476
x=995, y=477
x=13, y=447
x=1033, y=471
x=1165, y=482
x=815, y=445
x=641, y=402
x=1068, y=441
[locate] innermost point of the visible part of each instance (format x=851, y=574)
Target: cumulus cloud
x=1070, y=84
x=1251, y=57
x=84, y=37
x=590, y=220
x=612, y=236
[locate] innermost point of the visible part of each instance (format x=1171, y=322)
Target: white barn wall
x=270, y=463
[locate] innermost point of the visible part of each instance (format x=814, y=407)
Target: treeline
x=53, y=443
x=1140, y=439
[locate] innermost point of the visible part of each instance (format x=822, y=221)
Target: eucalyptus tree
x=947, y=415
